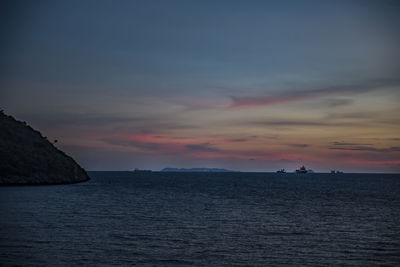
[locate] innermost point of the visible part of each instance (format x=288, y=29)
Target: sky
x=242, y=85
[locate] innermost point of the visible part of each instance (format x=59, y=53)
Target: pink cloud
x=223, y=149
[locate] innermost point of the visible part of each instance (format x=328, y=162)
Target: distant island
x=28, y=158
x=195, y=170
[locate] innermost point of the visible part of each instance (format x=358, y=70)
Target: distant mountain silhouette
x=195, y=170
x=26, y=157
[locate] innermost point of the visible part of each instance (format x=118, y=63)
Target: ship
x=281, y=171
x=334, y=172
x=302, y=170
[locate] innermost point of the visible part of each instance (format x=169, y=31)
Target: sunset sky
x=243, y=85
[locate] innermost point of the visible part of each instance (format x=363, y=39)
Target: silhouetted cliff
x=26, y=157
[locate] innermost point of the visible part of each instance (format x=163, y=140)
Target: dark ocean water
x=204, y=219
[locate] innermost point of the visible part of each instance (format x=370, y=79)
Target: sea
x=204, y=219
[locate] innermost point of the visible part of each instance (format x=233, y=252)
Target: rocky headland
x=28, y=158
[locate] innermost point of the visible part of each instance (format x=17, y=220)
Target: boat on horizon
x=302, y=170
x=281, y=171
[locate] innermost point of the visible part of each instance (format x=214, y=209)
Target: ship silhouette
x=302, y=170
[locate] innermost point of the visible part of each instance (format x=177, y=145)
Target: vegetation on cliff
x=26, y=157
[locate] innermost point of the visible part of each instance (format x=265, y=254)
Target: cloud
x=201, y=147
x=196, y=103
x=297, y=95
x=298, y=145
x=349, y=144
x=136, y=144
x=79, y=119
x=104, y=120
x=237, y=140
x=351, y=115
x=361, y=147
x=159, y=144
x=336, y=102
x=290, y=123
x=366, y=148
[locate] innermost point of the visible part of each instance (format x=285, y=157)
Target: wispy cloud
x=297, y=95
x=206, y=147
x=298, y=145
x=351, y=115
x=79, y=119
x=336, y=102
x=290, y=123
x=349, y=144
x=236, y=140
x=361, y=147
x=159, y=144
x=366, y=148
x=141, y=145
x=126, y=121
